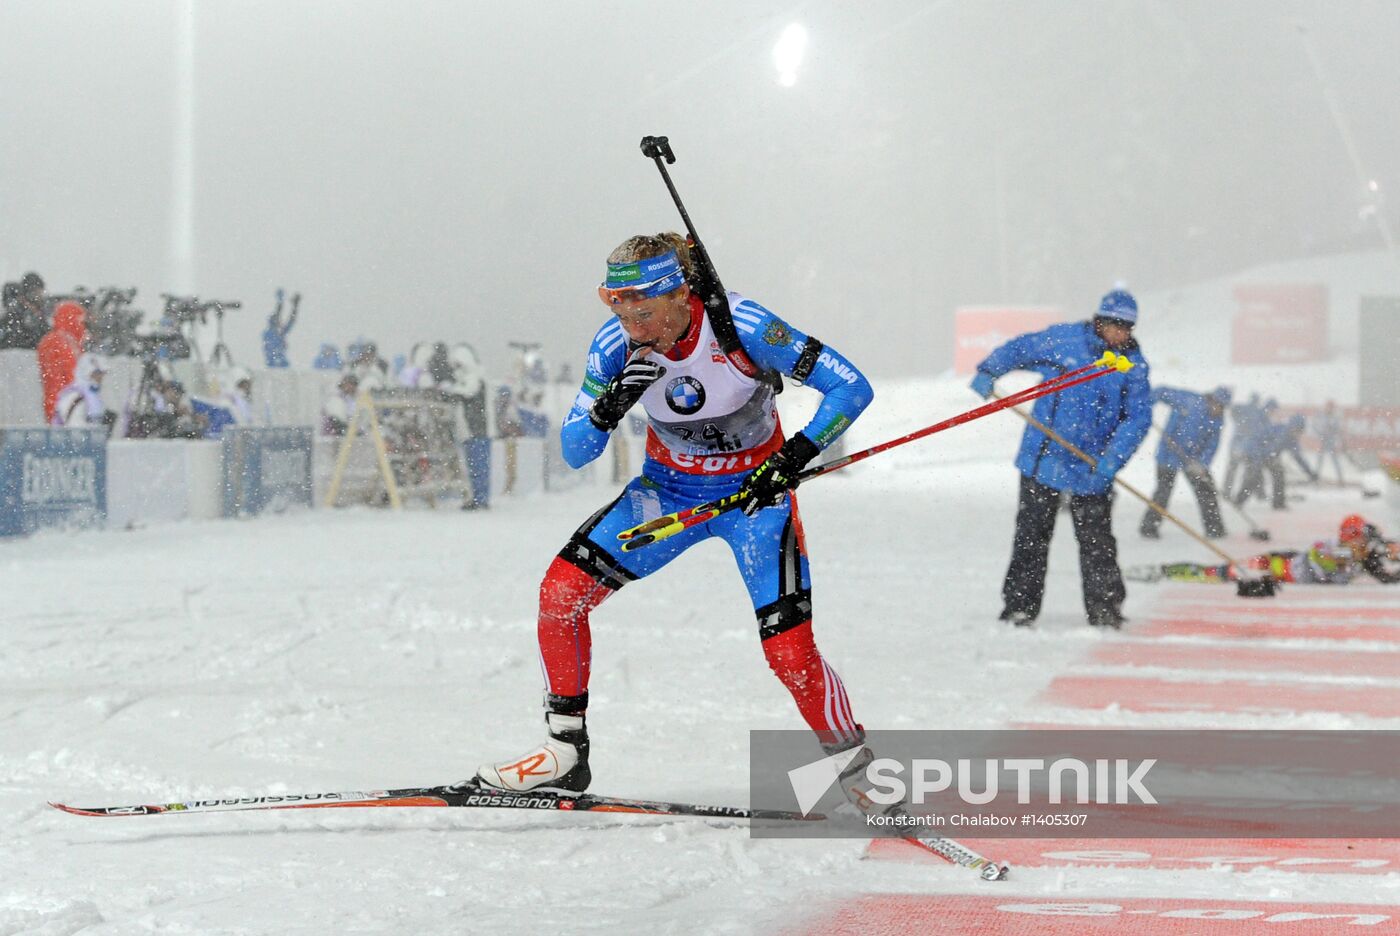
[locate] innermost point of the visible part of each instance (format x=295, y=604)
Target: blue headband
x=648, y=278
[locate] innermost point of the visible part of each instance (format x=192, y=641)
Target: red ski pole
x=653, y=531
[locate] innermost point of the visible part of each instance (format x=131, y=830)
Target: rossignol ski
x=478, y=797
x=465, y=796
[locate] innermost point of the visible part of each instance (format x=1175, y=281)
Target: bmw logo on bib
x=685, y=395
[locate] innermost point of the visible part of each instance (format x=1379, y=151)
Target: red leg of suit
x=820, y=696
x=567, y=595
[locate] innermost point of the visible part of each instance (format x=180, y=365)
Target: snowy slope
x=360, y=649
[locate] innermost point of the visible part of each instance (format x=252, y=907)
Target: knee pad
x=783, y=615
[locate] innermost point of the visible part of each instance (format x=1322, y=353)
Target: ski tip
x=994, y=871
x=107, y=811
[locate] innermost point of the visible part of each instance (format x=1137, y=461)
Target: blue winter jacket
x=1107, y=417
x=1192, y=429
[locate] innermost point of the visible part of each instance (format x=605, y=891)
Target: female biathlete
x=712, y=431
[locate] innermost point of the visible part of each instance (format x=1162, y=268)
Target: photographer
x=80, y=403
x=160, y=410
x=59, y=350
x=23, y=323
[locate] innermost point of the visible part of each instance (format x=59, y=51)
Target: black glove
x=767, y=484
x=624, y=392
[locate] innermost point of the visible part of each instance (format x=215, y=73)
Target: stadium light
x=787, y=54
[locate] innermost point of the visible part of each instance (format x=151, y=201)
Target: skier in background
x=1188, y=445
x=1107, y=419
x=713, y=431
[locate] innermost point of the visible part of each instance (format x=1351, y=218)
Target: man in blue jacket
x=1188, y=444
x=1107, y=418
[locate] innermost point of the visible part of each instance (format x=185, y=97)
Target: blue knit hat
x=1119, y=304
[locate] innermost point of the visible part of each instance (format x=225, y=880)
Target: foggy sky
x=423, y=170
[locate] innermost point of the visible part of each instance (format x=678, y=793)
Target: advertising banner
x=52, y=477
x=1280, y=324
x=266, y=469
x=980, y=329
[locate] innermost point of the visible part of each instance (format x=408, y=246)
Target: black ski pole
x=711, y=290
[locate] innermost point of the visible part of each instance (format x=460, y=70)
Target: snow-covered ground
x=362, y=649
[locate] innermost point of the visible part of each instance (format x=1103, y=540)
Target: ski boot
x=856, y=787
x=560, y=765
x=1018, y=618
x=1107, y=617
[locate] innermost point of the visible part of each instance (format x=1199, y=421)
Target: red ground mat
x=1013, y=915
x=1246, y=627
x=1310, y=856
x=1161, y=695
x=1377, y=664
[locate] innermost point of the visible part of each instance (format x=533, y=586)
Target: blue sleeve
x=773, y=344
x=1176, y=399
x=1031, y=351
x=1138, y=417
x=580, y=439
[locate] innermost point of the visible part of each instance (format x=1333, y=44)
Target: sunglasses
x=617, y=295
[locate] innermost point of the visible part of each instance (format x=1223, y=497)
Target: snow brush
x=1264, y=586
x=665, y=527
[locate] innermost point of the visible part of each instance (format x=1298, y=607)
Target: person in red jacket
x=59, y=350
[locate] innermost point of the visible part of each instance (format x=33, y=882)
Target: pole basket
x=1265, y=587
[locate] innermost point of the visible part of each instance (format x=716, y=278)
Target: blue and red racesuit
x=711, y=421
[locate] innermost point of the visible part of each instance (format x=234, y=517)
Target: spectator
x=239, y=400
x=1106, y=418
x=440, y=369
x=59, y=351
x=339, y=409
x=371, y=370
x=468, y=384
x=274, y=336
x=328, y=358
x=80, y=403
x=414, y=373
x=532, y=382
x=22, y=322
x=1188, y=445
